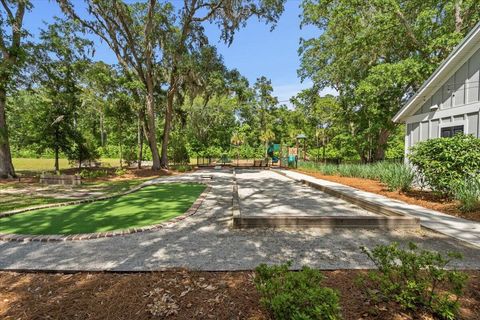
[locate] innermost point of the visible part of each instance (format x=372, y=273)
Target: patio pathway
x=455, y=227
x=205, y=241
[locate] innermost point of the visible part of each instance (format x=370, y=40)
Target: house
x=449, y=101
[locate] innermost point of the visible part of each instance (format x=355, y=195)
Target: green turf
x=20, y=200
x=148, y=206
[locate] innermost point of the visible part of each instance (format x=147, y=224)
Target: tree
x=132, y=32
x=143, y=34
x=378, y=57
x=186, y=37
x=12, y=56
x=321, y=116
x=60, y=60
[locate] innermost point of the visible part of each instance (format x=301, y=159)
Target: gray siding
x=472, y=127
x=461, y=89
x=421, y=131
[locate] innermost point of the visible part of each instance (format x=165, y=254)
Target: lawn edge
x=89, y=236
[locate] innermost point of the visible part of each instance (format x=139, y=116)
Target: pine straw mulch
x=417, y=197
x=179, y=294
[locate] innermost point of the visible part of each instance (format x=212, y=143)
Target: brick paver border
x=88, y=236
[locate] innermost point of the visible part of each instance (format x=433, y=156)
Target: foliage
x=444, y=162
x=183, y=168
x=416, y=278
x=396, y=176
x=378, y=57
x=93, y=174
x=296, y=295
x=468, y=193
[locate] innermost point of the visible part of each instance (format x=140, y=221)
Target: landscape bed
x=148, y=206
x=206, y=295
x=416, y=197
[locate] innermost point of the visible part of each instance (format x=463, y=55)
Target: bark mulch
x=418, y=197
x=179, y=294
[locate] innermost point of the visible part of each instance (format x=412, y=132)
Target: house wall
x=456, y=102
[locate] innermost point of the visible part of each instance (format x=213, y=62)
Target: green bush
x=444, y=162
x=183, y=168
x=92, y=174
x=468, y=193
x=120, y=172
x=415, y=278
x=296, y=295
x=398, y=177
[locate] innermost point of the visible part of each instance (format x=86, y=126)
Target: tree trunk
x=102, y=137
x=166, y=128
x=151, y=136
x=6, y=165
x=57, y=166
x=141, y=115
x=381, y=144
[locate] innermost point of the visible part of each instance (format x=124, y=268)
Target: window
x=448, y=132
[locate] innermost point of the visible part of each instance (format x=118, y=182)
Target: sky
x=256, y=51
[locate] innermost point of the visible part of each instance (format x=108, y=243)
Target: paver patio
x=205, y=241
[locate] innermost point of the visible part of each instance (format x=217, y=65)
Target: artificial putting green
x=147, y=206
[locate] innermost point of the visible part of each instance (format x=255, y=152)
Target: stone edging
x=88, y=236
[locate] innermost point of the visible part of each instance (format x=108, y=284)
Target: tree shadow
x=206, y=241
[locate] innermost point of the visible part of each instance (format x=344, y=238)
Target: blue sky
x=255, y=50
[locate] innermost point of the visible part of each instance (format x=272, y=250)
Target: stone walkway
x=267, y=193
x=455, y=227
x=205, y=241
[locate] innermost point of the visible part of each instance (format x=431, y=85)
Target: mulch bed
x=417, y=197
x=179, y=294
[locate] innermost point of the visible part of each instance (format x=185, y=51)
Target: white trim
x=469, y=41
x=469, y=108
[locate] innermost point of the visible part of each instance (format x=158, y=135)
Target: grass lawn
x=33, y=164
x=28, y=197
x=148, y=206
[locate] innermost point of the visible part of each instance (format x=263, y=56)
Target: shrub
x=468, y=193
x=183, y=168
x=398, y=177
x=120, y=172
x=442, y=162
x=92, y=174
x=296, y=295
x=416, y=279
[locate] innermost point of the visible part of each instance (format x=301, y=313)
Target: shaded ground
x=187, y=295
x=206, y=242
x=418, y=197
x=147, y=206
x=262, y=192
